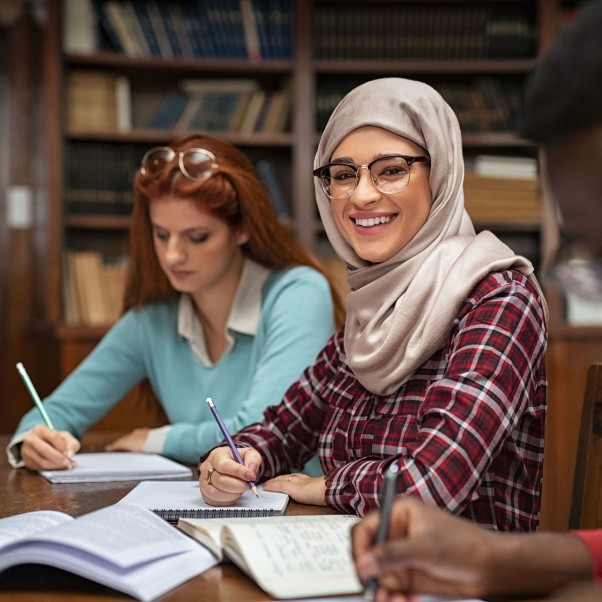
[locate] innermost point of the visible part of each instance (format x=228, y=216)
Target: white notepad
x=118, y=466
x=173, y=500
x=287, y=556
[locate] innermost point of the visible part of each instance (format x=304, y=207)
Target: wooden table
x=22, y=491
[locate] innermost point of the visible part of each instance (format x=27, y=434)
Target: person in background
x=221, y=300
x=440, y=365
x=430, y=551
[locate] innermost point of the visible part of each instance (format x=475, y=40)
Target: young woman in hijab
x=221, y=301
x=440, y=365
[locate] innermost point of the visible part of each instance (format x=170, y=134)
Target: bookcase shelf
x=495, y=139
x=424, y=67
x=113, y=60
x=151, y=136
x=314, y=63
x=97, y=222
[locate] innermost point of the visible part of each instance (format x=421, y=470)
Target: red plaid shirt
x=467, y=430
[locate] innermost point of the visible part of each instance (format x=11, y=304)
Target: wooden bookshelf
x=151, y=77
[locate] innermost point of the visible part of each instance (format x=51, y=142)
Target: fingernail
x=249, y=476
x=253, y=466
x=367, y=566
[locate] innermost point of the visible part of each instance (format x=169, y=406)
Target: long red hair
x=233, y=193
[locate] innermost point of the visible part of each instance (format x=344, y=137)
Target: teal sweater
x=296, y=321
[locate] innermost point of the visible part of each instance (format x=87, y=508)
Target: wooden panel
x=19, y=92
x=586, y=505
x=570, y=353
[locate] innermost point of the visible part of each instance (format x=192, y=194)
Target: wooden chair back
x=586, y=506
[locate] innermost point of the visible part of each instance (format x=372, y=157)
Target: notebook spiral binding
x=172, y=516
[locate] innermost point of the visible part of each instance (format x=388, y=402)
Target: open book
x=118, y=466
x=122, y=546
x=173, y=500
x=287, y=556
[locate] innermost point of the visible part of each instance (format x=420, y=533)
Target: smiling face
x=198, y=252
x=375, y=224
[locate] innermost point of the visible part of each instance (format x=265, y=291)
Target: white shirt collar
x=244, y=316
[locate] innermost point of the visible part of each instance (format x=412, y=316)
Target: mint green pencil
x=34, y=395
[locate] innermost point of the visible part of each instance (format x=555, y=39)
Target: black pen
x=385, y=519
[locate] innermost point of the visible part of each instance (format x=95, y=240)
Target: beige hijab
x=400, y=311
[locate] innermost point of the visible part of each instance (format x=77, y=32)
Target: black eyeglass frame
x=409, y=159
x=180, y=155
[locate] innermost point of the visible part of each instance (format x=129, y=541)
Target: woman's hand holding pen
x=223, y=479
x=300, y=487
x=48, y=449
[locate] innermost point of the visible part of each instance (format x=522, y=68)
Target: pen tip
x=254, y=490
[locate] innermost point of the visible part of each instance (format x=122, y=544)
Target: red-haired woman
x=221, y=301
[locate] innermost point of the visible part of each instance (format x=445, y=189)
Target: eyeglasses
x=390, y=174
x=197, y=164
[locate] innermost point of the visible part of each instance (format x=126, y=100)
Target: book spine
x=141, y=13
x=268, y=176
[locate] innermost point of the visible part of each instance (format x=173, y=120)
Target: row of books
x=230, y=105
x=414, y=30
x=248, y=29
x=484, y=104
x=93, y=288
x=97, y=101
x=501, y=189
x=99, y=179
x=101, y=101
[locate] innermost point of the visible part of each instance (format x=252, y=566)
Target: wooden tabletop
x=23, y=491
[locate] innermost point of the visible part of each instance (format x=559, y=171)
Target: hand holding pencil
x=228, y=471
x=45, y=448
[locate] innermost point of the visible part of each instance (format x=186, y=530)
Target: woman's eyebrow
x=185, y=231
x=374, y=158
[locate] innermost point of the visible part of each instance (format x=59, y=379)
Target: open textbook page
x=122, y=546
x=287, y=556
x=173, y=500
x=118, y=466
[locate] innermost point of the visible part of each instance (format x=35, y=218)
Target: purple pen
x=228, y=439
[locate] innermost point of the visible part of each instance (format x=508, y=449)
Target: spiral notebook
x=173, y=500
x=118, y=466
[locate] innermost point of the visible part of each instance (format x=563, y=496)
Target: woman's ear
x=242, y=237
